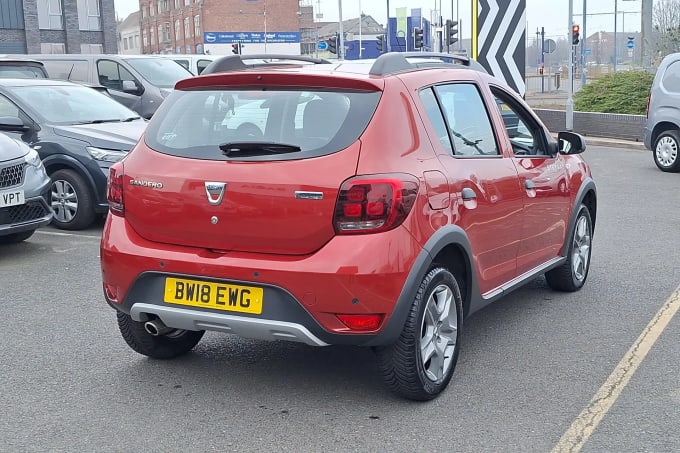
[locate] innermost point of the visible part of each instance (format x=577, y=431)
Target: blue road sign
x=631, y=44
x=322, y=45
x=588, y=52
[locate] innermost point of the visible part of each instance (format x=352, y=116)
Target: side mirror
x=570, y=142
x=12, y=124
x=130, y=86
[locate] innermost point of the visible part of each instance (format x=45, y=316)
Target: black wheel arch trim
x=61, y=160
x=444, y=237
x=587, y=187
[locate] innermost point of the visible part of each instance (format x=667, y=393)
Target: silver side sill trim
x=523, y=278
x=259, y=329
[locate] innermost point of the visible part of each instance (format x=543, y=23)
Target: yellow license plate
x=219, y=296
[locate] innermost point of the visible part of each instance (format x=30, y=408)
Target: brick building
x=212, y=26
x=57, y=26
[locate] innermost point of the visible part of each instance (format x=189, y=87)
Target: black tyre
x=171, y=345
x=571, y=276
x=72, y=201
x=419, y=365
x=16, y=237
x=667, y=151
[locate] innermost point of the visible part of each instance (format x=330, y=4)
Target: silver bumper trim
x=260, y=329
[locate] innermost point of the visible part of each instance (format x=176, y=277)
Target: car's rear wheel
x=667, y=151
x=72, y=201
x=167, y=346
x=419, y=365
x=571, y=275
x=16, y=237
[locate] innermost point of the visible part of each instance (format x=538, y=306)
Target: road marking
x=587, y=421
x=55, y=233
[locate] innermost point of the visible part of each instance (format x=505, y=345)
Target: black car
x=78, y=133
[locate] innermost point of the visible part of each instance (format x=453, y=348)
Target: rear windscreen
x=196, y=123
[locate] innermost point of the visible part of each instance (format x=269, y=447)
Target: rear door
x=482, y=180
x=252, y=170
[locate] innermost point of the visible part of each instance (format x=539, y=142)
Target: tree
x=666, y=18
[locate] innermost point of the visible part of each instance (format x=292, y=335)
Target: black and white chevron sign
x=501, y=40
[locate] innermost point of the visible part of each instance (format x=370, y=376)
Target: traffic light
x=451, y=31
x=575, y=35
x=418, y=38
x=236, y=48
x=332, y=44
x=382, y=40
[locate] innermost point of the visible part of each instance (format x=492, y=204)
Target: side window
x=67, y=70
x=467, y=120
x=201, y=65
x=671, y=78
x=526, y=136
x=184, y=64
x=7, y=108
x=434, y=114
x=112, y=75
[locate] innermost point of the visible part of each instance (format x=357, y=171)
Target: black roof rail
x=392, y=62
x=237, y=62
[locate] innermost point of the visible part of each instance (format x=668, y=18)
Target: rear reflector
x=371, y=204
x=111, y=293
x=361, y=322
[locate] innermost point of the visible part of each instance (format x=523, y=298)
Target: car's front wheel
x=667, y=150
x=419, y=365
x=571, y=275
x=72, y=201
x=168, y=345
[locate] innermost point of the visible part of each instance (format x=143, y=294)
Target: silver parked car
x=24, y=191
x=662, y=131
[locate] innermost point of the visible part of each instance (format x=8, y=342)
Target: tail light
x=649, y=99
x=115, y=189
x=372, y=204
x=361, y=322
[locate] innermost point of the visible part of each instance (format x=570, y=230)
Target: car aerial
x=24, y=189
x=662, y=129
x=381, y=205
x=78, y=133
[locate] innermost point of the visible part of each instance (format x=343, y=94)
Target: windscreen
x=289, y=123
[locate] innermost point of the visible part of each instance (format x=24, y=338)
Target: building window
x=152, y=37
x=177, y=4
x=187, y=2
x=178, y=30
x=187, y=28
x=145, y=38
x=136, y=42
x=197, y=25
x=92, y=48
x=88, y=15
x=50, y=16
x=166, y=32
x=163, y=6
x=52, y=47
x=151, y=9
x=160, y=34
x=143, y=9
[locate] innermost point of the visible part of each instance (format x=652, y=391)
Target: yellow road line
x=587, y=421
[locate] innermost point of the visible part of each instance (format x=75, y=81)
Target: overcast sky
x=539, y=14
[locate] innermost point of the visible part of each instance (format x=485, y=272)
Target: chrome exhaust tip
x=156, y=328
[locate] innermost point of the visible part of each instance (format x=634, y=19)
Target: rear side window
x=20, y=71
x=196, y=123
x=68, y=70
x=671, y=78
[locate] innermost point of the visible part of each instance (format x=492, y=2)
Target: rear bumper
x=647, y=137
x=301, y=294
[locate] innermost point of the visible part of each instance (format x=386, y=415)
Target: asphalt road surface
x=539, y=371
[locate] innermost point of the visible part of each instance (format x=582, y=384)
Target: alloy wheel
x=438, y=333
x=64, y=201
x=581, y=248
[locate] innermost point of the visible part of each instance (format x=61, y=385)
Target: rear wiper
x=257, y=148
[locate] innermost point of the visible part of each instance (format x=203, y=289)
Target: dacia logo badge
x=215, y=192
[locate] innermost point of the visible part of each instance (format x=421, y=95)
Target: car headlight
x=33, y=159
x=106, y=155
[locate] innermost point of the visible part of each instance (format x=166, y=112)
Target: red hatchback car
x=375, y=204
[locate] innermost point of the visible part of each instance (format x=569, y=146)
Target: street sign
x=588, y=52
x=550, y=45
x=322, y=45
x=630, y=44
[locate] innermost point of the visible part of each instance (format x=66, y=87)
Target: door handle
x=468, y=194
x=529, y=184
